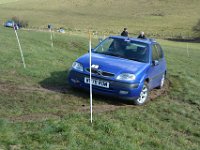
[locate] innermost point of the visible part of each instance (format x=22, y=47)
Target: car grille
x=101, y=72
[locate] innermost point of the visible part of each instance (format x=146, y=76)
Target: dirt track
x=110, y=107
x=99, y=108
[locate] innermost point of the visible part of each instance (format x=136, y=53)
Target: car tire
x=162, y=82
x=144, y=95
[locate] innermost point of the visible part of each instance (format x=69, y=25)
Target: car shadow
x=57, y=82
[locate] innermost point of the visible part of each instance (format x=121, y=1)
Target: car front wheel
x=144, y=95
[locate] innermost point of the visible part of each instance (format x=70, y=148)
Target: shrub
x=20, y=23
x=196, y=28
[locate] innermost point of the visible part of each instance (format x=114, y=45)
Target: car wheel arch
x=145, y=78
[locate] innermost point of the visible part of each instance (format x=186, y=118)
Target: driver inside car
x=117, y=48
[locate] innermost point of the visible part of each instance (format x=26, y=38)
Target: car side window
x=160, y=52
x=155, y=55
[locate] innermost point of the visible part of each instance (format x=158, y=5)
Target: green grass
x=7, y=1
x=39, y=111
x=164, y=18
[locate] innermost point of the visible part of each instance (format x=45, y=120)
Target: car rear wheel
x=144, y=95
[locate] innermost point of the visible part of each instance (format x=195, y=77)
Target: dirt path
x=99, y=108
x=110, y=107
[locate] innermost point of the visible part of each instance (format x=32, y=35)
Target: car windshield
x=127, y=49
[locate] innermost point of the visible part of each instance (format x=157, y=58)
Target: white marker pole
x=20, y=48
x=90, y=46
x=51, y=38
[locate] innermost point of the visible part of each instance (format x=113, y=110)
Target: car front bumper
x=122, y=90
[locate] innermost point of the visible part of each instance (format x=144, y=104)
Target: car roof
x=147, y=40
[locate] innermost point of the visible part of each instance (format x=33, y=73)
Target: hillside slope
x=162, y=17
x=39, y=112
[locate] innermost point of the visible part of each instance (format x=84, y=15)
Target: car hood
x=113, y=64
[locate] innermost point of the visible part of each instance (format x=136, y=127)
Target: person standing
x=142, y=36
x=125, y=32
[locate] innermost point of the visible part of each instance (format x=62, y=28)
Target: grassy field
x=39, y=111
x=163, y=18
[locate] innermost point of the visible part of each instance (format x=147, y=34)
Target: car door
x=162, y=61
x=156, y=70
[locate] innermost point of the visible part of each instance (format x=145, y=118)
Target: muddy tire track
x=98, y=108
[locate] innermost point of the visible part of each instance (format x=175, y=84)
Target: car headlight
x=77, y=66
x=126, y=77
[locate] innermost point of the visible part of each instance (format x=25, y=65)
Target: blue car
x=122, y=67
x=9, y=23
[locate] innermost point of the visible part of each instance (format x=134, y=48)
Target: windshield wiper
x=139, y=60
x=113, y=54
x=133, y=59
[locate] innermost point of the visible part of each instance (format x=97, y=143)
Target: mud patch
x=159, y=92
x=102, y=108
x=8, y=87
x=111, y=107
x=33, y=117
x=82, y=108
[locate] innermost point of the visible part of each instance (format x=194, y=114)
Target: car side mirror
x=91, y=50
x=155, y=62
x=100, y=40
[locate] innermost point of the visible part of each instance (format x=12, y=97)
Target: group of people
x=125, y=33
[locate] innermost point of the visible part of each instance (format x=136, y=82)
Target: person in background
x=125, y=32
x=141, y=36
x=16, y=27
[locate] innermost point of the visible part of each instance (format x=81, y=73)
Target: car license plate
x=96, y=82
